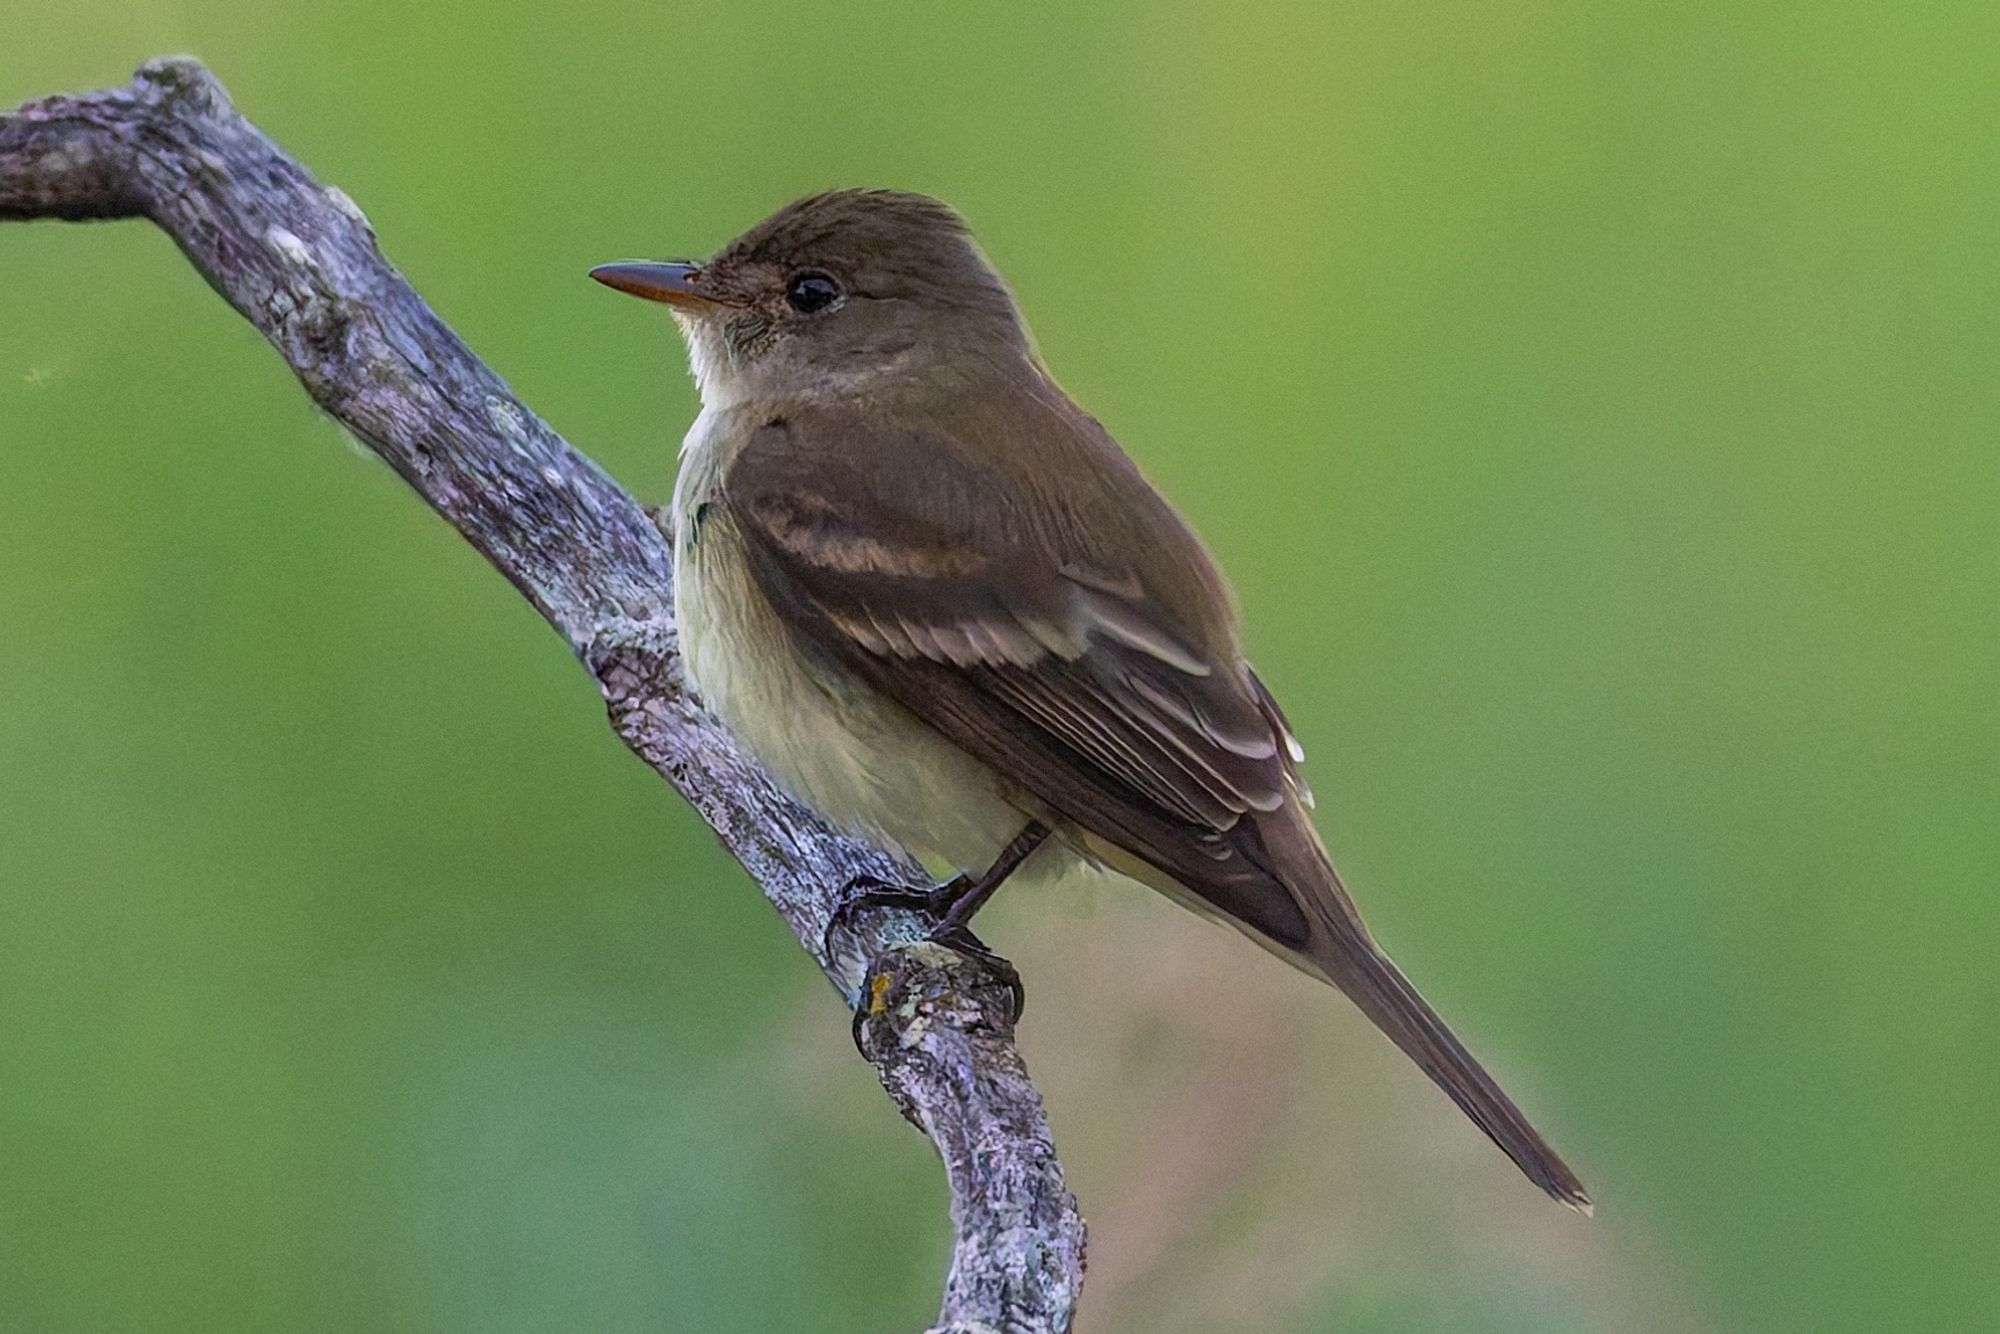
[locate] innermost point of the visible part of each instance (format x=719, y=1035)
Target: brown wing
x=1000, y=623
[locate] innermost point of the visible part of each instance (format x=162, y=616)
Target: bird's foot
x=865, y=891
x=941, y=903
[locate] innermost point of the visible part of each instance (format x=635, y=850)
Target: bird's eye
x=809, y=292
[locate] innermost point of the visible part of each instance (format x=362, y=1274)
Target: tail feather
x=1371, y=981
x=1341, y=950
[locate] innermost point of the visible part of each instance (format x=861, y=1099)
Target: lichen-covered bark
x=299, y=261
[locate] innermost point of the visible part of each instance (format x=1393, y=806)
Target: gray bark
x=299, y=261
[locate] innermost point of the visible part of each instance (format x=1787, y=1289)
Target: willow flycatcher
x=937, y=601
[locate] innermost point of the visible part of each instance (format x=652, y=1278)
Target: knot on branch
x=182, y=84
x=310, y=317
x=923, y=1000
x=636, y=661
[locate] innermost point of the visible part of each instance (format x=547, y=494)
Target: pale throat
x=726, y=380
x=708, y=362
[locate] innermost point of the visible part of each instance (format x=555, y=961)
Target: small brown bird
x=932, y=595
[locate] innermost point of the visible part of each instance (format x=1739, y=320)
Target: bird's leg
x=962, y=898
x=955, y=901
x=953, y=904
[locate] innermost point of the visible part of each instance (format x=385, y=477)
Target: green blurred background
x=1595, y=406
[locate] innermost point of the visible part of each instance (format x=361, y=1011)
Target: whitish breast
x=860, y=760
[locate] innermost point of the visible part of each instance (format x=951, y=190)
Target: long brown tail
x=1341, y=950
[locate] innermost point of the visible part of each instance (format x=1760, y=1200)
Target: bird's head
x=829, y=292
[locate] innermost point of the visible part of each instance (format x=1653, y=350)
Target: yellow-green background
x=1596, y=406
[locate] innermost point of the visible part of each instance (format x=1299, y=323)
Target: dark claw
x=969, y=945
x=935, y=901
x=865, y=891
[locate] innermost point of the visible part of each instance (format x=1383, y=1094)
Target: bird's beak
x=678, y=285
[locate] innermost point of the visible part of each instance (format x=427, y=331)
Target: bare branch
x=299, y=261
